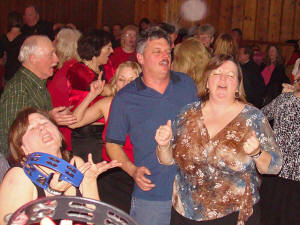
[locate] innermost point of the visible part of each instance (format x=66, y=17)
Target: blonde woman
x=226, y=44
x=66, y=50
x=191, y=57
x=115, y=187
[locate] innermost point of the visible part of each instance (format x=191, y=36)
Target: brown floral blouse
x=215, y=177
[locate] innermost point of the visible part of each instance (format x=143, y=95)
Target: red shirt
x=59, y=92
x=118, y=57
x=79, y=78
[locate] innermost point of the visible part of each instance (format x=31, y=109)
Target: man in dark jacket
x=253, y=82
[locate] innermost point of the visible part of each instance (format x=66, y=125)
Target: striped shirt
x=25, y=89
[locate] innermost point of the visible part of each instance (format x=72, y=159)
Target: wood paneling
x=118, y=12
x=225, y=18
x=237, y=14
x=297, y=20
x=274, y=20
x=287, y=21
x=262, y=20
x=249, y=19
x=82, y=13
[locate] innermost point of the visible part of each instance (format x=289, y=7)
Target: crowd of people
x=171, y=127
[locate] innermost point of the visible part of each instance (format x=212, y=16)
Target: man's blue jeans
x=147, y=212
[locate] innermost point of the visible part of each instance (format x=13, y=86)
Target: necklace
x=91, y=66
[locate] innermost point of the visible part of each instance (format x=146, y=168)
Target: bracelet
x=52, y=191
x=165, y=148
x=257, y=154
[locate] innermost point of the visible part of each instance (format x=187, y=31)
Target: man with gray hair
x=28, y=87
x=138, y=110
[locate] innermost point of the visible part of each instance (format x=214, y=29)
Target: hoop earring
x=207, y=91
x=237, y=94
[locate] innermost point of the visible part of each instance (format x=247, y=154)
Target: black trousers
x=88, y=139
x=231, y=219
x=280, y=201
x=115, y=188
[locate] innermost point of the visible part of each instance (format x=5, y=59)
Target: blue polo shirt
x=138, y=110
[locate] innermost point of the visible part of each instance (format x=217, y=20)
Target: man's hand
x=139, y=176
x=62, y=116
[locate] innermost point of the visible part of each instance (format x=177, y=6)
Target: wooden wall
x=83, y=13
x=262, y=21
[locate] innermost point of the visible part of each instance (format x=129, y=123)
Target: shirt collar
x=141, y=86
x=33, y=78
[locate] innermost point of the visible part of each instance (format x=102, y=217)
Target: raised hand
x=251, y=146
x=96, y=169
x=96, y=87
x=164, y=134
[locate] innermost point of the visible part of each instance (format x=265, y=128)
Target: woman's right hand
x=164, y=135
x=96, y=87
x=287, y=88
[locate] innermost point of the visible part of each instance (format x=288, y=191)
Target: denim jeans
x=147, y=212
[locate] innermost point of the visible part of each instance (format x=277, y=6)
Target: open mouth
x=164, y=62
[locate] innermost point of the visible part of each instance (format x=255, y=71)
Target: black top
x=253, y=82
x=12, y=49
x=42, y=27
x=274, y=87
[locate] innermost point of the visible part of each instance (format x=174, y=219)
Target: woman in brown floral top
x=219, y=144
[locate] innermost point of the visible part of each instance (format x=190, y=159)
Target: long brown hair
x=18, y=130
x=226, y=44
x=213, y=64
x=191, y=57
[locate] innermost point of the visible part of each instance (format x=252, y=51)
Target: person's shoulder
x=191, y=106
x=17, y=84
x=181, y=78
x=252, y=112
x=130, y=88
x=16, y=176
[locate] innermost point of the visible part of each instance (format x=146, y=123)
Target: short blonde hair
x=191, y=57
x=226, y=44
x=133, y=65
x=66, y=45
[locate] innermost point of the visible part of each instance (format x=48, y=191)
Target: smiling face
x=156, y=58
x=41, y=136
x=125, y=76
x=223, y=82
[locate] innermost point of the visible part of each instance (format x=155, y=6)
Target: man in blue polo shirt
x=138, y=110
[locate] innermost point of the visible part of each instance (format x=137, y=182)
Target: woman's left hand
x=251, y=146
x=60, y=185
x=96, y=169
